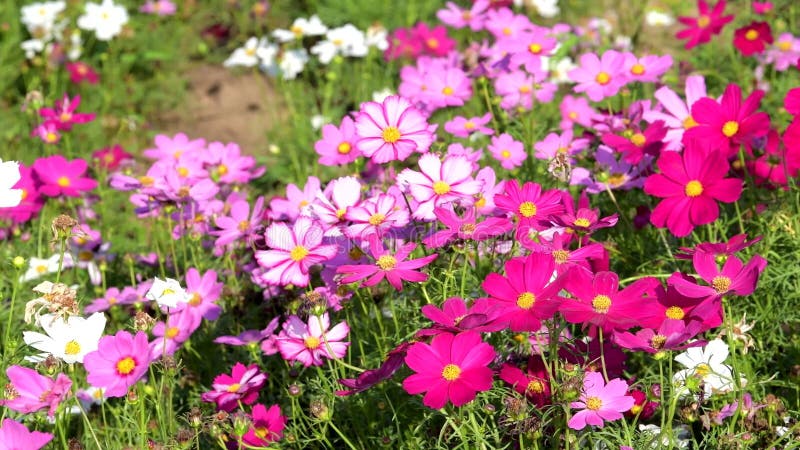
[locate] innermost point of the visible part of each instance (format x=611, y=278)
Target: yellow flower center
x=702, y=370
x=451, y=372
x=243, y=225
x=340, y=213
x=447, y=90
x=441, y=188
x=126, y=365
x=535, y=49
x=638, y=139
x=183, y=172
x=63, y=182
x=601, y=303
x=298, y=253
x=297, y=30
x=636, y=409
x=51, y=137
x=524, y=89
x=730, y=128
x=391, y=135
x=72, y=348
x=467, y=228
x=689, y=122
x=234, y=387
x=784, y=46
x=311, y=342
x=721, y=283
x=432, y=43
x=171, y=332
x=469, y=125
x=582, y=222
x=146, y=181
x=506, y=154
x=572, y=115
x=526, y=300
x=527, y=209
x=594, y=403
x=344, y=148
x=637, y=69
x=657, y=342
x=41, y=268
x=603, y=78
x=507, y=31
x=693, y=188
x=376, y=219
x=751, y=35
x=675, y=312
x=250, y=52
x=387, y=262
x=480, y=203
x=222, y=169
x=261, y=432
x=703, y=21
x=561, y=256
x=535, y=386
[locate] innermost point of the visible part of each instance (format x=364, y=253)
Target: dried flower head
x=62, y=227
x=56, y=298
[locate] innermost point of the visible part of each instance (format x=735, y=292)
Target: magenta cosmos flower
x=64, y=115
x=393, y=267
x=310, y=343
x=708, y=23
x=455, y=317
x=465, y=228
x=61, y=177
x=391, y=130
x=294, y=251
x=438, y=183
x=452, y=368
x=600, y=402
x=14, y=435
x=268, y=425
x=118, y=363
x=600, y=77
x=528, y=203
x=690, y=184
x=80, y=72
x=242, y=385
x=526, y=295
x=28, y=391
x=735, y=277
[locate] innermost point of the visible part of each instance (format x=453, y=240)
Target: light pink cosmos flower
x=338, y=144
x=528, y=48
x=241, y=224
x=118, y=363
x=310, y=342
x=393, y=267
x=678, y=116
x=61, y=177
x=456, y=17
x=376, y=215
x=14, y=435
x=242, y=385
x=518, y=89
x=576, y=110
x=331, y=205
x=484, y=201
x=169, y=336
x=452, y=368
x=509, y=152
x=47, y=132
x=446, y=86
x=226, y=164
x=463, y=127
x=504, y=23
x=267, y=426
x=599, y=77
x=554, y=144
x=293, y=252
x=784, y=53
x=204, y=291
x=296, y=202
x=159, y=7
x=439, y=183
x=28, y=391
x=391, y=130
x=647, y=69
x=173, y=147
x=600, y=401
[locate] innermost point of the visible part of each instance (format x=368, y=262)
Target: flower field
x=361, y=224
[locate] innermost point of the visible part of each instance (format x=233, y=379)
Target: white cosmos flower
x=39, y=18
x=167, y=293
x=68, y=340
x=300, y=28
x=377, y=36
x=560, y=70
x=656, y=18
x=346, y=41
x=546, y=8
x=708, y=364
x=38, y=267
x=254, y=52
x=9, y=176
x=105, y=19
x=380, y=96
x=293, y=62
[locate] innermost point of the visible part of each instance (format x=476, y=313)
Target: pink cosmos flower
x=455, y=317
x=509, y=152
x=554, y=144
x=584, y=220
x=393, y=267
x=527, y=294
x=28, y=391
x=763, y=7
x=310, y=343
x=61, y=177
x=563, y=256
x=47, y=132
x=15, y=435
x=293, y=252
x=172, y=148
x=226, y=164
x=240, y=224
x=242, y=385
x=528, y=48
x=452, y=368
x=600, y=402
x=338, y=144
x=708, y=23
x=463, y=127
x=576, y=110
x=732, y=246
x=118, y=363
x=403, y=42
x=434, y=40
x=735, y=277
x=519, y=89
x=672, y=334
x=376, y=215
x=297, y=202
x=438, y=183
x=465, y=228
x=330, y=206
x=485, y=199
x=599, y=302
x=640, y=143
x=268, y=425
x=80, y=72
x=599, y=77
x=677, y=117
x=248, y=337
x=503, y=23
x=447, y=86
x=371, y=377
x=690, y=184
x=64, y=115
x=110, y=158
x=457, y=18
x=31, y=202
x=159, y=7
x=169, y=336
x=391, y=130
x=529, y=204
x=784, y=53
x=730, y=122
x=534, y=383
x=647, y=69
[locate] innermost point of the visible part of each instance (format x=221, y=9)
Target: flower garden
x=483, y=224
